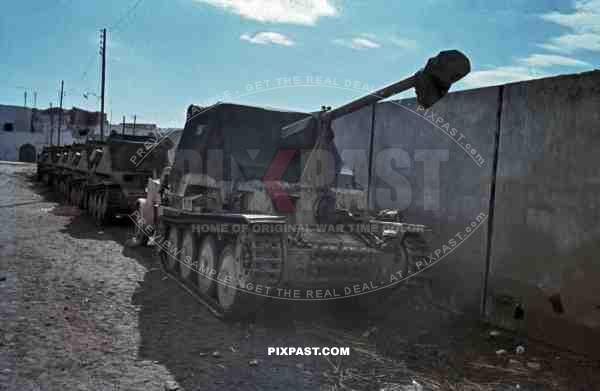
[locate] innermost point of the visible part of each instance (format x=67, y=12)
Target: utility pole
x=34, y=99
x=123, y=129
x=25, y=99
x=134, y=117
x=103, y=53
x=62, y=84
x=51, y=124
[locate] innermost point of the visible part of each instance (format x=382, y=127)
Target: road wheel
x=138, y=232
x=207, y=261
x=234, y=300
x=103, y=208
x=164, y=232
x=78, y=199
x=99, y=208
x=187, y=255
x=92, y=204
x=84, y=200
x=89, y=202
x=172, y=263
x=96, y=206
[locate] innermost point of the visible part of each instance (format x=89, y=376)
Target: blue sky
x=166, y=54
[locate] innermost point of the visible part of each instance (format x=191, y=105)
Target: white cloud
x=303, y=12
x=550, y=47
x=583, y=25
x=371, y=41
x=568, y=43
x=500, y=75
x=364, y=43
x=358, y=43
x=584, y=17
x=266, y=38
x=404, y=43
x=368, y=35
x=548, y=60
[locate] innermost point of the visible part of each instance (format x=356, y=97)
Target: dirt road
x=79, y=311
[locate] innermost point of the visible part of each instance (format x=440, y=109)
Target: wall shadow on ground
x=179, y=333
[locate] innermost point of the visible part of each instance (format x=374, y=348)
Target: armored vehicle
x=118, y=169
x=61, y=168
x=103, y=177
x=45, y=165
x=65, y=175
x=254, y=205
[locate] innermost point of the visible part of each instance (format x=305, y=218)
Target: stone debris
x=500, y=351
x=370, y=331
x=171, y=385
x=417, y=386
x=494, y=333
x=216, y=354
x=133, y=242
x=534, y=365
x=414, y=386
x=253, y=363
x=520, y=349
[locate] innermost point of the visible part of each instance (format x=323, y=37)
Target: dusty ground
x=80, y=312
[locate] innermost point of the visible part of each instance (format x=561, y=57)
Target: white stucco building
x=24, y=131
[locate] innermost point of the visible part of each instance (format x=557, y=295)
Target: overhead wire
x=113, y=27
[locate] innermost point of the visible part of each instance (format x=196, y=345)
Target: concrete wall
x=439, y=181
x=352, y=139
x=546, y=236
x=544, y=243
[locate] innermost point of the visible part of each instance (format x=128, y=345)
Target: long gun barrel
x=431, y=84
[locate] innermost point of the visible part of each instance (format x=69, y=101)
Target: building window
x=8, y=127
